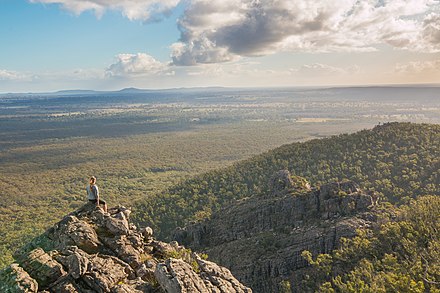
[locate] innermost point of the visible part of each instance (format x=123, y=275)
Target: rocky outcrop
x=178, y=276
x=93, y=251
x=282, y=182
x=261, y=239
x=15, y=279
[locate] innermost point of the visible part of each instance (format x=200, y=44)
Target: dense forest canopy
x=398, y=161
x=402, y=254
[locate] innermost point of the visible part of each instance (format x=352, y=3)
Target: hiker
x=93, y=193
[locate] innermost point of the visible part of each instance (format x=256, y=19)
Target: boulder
x=118, y=224
x=176, y=276
x=104, y=273
x=220, y=278
x=42, y=267
x=77, y=264
x=74, y=232
x=283, y=182
x=280, y=182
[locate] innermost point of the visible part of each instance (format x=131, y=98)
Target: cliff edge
x=92, y=251
x=261, y=238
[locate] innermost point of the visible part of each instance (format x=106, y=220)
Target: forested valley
x=176, y=158
x=398, y=161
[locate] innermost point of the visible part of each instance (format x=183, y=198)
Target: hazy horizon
x=403, y=85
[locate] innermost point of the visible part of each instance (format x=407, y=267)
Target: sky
x=50, y=45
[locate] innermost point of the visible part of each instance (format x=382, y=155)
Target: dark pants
x=100, y=201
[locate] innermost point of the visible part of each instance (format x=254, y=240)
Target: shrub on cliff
x=401, y=255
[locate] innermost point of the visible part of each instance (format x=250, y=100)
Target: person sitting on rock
x=93, y=194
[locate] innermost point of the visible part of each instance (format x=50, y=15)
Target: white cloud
x=321, y=69
x=224, y=30
x=215, y=31
x=132, y=9
x=13, y=75
x=252, y=71
x=419, y=68
x=431, y=31
x=139, y=64
x=86, y=74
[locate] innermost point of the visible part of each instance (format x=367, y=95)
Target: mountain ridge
x=378, y=159
x=262, y=239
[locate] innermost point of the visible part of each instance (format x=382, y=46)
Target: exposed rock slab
x=42, y=267
x=92, y=251
x=14, y=279
x=261, y=239
x=176, y=276
x=220, y=279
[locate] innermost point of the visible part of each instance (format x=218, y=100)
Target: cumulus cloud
x=223, y=30
x=216, y=31
x=145, y=10
x=431, y=31
x=137, y=65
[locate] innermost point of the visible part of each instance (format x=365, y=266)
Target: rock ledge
x=92, y=251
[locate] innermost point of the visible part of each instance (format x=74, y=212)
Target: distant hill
x=130, y=90
x=390, y=91
x=76, y=92
x=398, y=161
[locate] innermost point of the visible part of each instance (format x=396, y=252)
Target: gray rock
x=123, y=288
x=176, y=276
x=136, y=286
x=14, y=279
x=78, y=264
x=42, y=267
x=261, y=239
x=124, y=249
x=146, y=273
x=147, y=232
x=280, y=182
x=117, y=225
x=72, y=231
x=67, y=285
x=220, y=278
x=104, y=274
x=283, y=182
x=102, y=252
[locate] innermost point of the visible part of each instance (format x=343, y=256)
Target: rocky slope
x=261, y=238
x=92, y=251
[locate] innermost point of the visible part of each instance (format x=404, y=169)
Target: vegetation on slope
x=42, y=181
x=399, y=161
x=401, y=255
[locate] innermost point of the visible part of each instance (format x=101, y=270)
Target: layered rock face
x=92, y=251
x=261, y=239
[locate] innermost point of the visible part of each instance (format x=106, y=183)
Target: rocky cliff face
x=261, y=239
x=92, y=251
